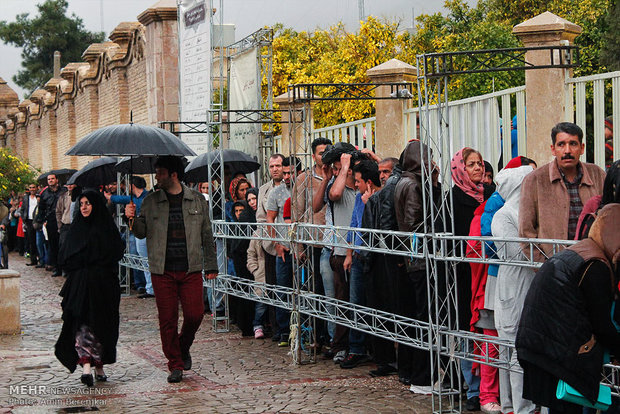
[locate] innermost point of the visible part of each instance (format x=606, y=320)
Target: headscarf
x=462, y=180
x=604, y=232
x=611, y=186
x=92, y=240
x=234, y=185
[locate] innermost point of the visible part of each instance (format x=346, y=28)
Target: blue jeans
x=284, y=277
x=142, y=252
x=138, y=275
x=473, y=381
x=259, y=315
x=357, y=296
x=327, y=274
x=41, y=247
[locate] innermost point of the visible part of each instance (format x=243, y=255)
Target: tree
x=15, y=174
x=40, y=36
x=610, y=54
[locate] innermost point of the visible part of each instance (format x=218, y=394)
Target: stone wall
x=109, y=87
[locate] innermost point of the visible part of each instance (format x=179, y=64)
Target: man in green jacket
x=175, y=222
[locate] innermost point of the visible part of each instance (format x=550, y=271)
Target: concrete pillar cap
x=8, y=96
x=546, y=22
x=162, y=10
x=8, y=274
x=392, y=67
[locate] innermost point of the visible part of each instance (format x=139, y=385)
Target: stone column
x=545, y=88
x=8, y=100
x=9, y=302
x=389, y=131
x=293, y=134
x=162, y=63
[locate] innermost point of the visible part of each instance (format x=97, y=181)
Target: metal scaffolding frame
x=440, y=249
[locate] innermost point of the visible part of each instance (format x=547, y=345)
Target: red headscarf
x=462, y=180
x=234, y=185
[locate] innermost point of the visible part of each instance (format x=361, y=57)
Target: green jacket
x=152, y=223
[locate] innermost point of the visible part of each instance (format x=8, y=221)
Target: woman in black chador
x=91, y=295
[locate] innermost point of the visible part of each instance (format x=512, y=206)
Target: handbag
x=567, y=393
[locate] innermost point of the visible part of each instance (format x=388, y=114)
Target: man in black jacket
x=29, y=205
x=47, y=215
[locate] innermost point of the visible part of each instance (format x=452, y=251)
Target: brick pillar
x=162, y=63
x=545, y=88
x=389, y=132
x=8, y=101
x=294, y=135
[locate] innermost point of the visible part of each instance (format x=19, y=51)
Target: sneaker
x=421, y=389
x=175, y=376
x=141, y=290
x=340, y=356
x=491, y=408
x=283, y=341
x=472, y=404
x=258, y=333
x=353, y=360
x=275, y=338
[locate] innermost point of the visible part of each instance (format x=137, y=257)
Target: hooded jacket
x=408, y=193
x=513, y=282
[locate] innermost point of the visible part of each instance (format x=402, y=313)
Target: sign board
x=244, y=93
x=194, y=67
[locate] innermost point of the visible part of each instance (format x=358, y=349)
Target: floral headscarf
x=234, y=185
x=462, y=180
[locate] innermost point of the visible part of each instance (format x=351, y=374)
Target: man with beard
x=553, y=195
x=47, y=215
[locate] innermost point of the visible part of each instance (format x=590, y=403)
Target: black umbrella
x=138, y=165
x=130, y=140
x=62, y=174
x=97, y=172
x=236, y=160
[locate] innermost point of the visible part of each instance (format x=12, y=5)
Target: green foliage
x=43, y=34
x=15, y=174
x=610, y=53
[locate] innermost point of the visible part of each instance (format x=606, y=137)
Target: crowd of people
x=565, y=199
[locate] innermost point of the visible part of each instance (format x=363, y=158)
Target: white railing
x=482, y=122
x=604, y=87
x=360, y=133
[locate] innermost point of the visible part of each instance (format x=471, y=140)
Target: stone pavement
x=230, y=373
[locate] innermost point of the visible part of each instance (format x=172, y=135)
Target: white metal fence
x=603, y=88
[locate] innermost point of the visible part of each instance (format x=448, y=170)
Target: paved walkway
x=230, y=373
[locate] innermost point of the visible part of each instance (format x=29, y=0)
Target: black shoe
x=328, y=354
x=353, y=360
x=275, y=338
x=187, y=361
x=87, y=379
x=383, y=371
x=101, y=378
x=145, y=296
x=141, y=290
x=472, y=404
x=31, y=264
x=40, y=266
x=404, y=380
x=175, y=376
x=56, y=273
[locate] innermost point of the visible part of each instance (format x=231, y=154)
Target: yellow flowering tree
x=15, y=174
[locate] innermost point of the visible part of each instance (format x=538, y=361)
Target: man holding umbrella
x=175, y=222
x=47, y=215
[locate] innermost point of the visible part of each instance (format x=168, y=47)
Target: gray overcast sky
x=247, y=15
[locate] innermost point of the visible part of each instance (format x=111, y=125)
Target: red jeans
x=170, y=288
x=489, y=376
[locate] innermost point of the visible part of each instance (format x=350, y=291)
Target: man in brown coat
x=553, y=196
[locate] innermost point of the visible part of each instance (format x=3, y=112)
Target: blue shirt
x=121, y=199
x=356, y=221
